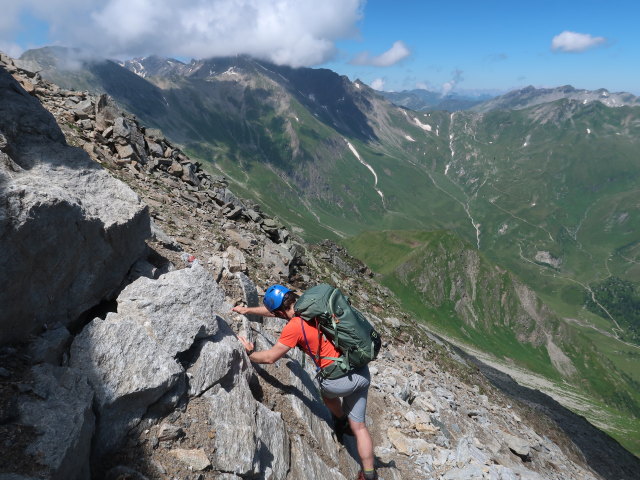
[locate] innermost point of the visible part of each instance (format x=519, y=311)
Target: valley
x=490, y=225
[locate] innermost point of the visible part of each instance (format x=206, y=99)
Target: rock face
x=61, y=412
x=69, y=231
x=130, y=358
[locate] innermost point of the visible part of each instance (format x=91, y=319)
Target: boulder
x=220, y=360
x=249, y=441
x=61, y=412
x=90, y=228
x=305, y=463
x=130, y=357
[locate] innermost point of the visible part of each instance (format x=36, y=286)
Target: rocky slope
x=151, y=381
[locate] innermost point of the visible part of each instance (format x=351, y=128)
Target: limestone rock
x=89, y=227
x=176, y=309
x=64, y=420
x=220, y=359
x=305, y=463
x=129, y=371
x=196, y=459
x=249, y=440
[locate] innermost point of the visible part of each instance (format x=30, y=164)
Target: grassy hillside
x=460, y=293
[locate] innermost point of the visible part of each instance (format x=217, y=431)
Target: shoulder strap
x=309, y=347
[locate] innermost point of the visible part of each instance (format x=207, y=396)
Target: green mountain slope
x=459, y=292
x=547, y=192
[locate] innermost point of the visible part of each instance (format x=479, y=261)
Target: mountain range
x=535, y=191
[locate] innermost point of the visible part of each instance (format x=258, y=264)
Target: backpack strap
x=339, y=361
x=309, y=347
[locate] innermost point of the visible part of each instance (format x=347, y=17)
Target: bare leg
x=365, y=444
x=334, y=405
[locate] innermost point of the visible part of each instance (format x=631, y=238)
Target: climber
x=352, y=388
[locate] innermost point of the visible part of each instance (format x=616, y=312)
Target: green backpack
x=343, y=325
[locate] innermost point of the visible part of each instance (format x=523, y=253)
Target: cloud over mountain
x=572, y=42
x=292, y=32
x=397, y=52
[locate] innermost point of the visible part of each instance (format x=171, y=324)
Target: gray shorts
x=353, y=388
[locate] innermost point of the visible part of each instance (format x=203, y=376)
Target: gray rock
x=272, y=450
x=220, y=361
x=195, y=459
x=176, y=309
x=517, y=445
x=90, y=227
x=249, y=294
x=305, y=463
x=64, y=420
x=105, y=113
x=83, y=109
x=122, y=128
x=129, y=371
x=50, y=345
x=235, y=440
x=130, y=356
x=160, y=236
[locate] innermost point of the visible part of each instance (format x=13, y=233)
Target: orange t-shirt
x=292, y=336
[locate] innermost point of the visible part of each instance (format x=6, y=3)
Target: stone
x=125, y=151
x=154, y=149
x=122, y=128
x=83, y=109
x=63, y=416
x=169, y=432
x=189, y=174
x=50, y=345
x=90, y=227
x=220, y=360
x=129, y=371
x=241, y=433
x=176, y=309
x=517, y=445
x=237, y=262
x=305, y=463
x=196, y=459
x=175, y=169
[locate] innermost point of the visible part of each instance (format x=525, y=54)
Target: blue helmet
x=273, y=297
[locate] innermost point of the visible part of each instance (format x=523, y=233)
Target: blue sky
x=392, y=45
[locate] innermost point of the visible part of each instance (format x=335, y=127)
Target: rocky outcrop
x=69, y=231
x=60, y=409
x=131, y=358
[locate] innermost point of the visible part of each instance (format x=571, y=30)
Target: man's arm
x=272, y=355
x=261, y=310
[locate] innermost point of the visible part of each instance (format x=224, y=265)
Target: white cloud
x=397, y=52
x=293, y=32
x=378, y=84
x=575, y=42
x=447, y=87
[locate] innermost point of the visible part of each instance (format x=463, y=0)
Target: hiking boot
x=361, y=476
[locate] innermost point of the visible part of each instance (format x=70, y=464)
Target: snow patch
x=446, y=169
x=426, y=127
x=503, y=229
x=375, y=176
x=588, y=131
x=408, y=137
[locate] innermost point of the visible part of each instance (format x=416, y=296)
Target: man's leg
x=334, y=405
x=365, y=444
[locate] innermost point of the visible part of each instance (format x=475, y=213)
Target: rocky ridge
x=154, y=379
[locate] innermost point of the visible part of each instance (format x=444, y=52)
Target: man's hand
x=248, y=346
x=240, y=309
